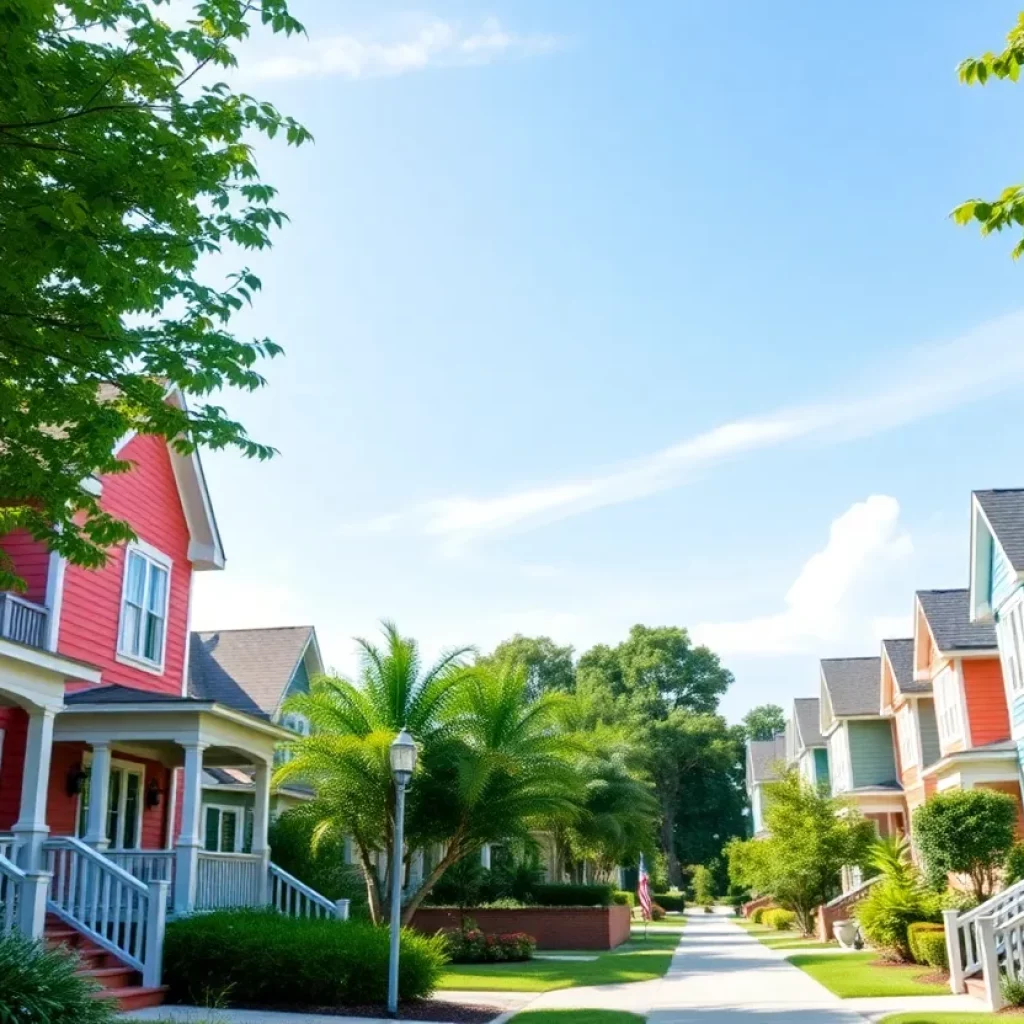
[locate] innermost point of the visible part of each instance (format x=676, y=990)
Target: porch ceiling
x=33, y=679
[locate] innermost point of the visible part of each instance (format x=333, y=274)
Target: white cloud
x=420, y=43
x=821, y=605
x=917, y=384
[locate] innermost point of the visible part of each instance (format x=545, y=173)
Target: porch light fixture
x=403, y=755
x=76, y=780
x=153, y=794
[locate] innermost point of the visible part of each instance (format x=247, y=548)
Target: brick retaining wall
x=552, y=927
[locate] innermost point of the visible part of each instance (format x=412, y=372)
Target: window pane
x=228, y=829
x=114, y=810
x=136, y=578
x=131, y=810
x=212, y=829
x=83, y=808
x=131, y=617
x=157, y=589
x=154, y=637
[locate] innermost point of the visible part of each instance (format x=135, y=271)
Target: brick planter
x=552, y=927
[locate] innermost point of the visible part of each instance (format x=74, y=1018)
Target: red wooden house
x=102, y=750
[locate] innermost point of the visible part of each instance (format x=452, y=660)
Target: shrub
x=758, y=915
x=657, y=912
x=968, y=832
x=261, y=958
x=914, y=933
x=552, y=895
x=673, y=901
x=39, y=986
x=1015, y=864
x=469, y=945
x=703, y=885
x=931, y=948
x=622, y=898
x=1013, y=990
x=779, y=919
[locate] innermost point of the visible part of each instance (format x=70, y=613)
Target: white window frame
x=841, y=780
x=948, y=713
x=1010, y=628
x=222, y=809
x=151, y=556
x=906, y=729
x=123, y=768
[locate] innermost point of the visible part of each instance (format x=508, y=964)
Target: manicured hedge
x=574, y=895
x=927, y=943
x=39, y=986
x=757, y=916
x=623, y=898
x=258, y=958
x=674, y=901
x=779, y=919
x=473, y=946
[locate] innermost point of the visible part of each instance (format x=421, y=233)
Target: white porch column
x=31, y=829
x=485, y=856
x=190, y=841
x=99, y=797
x=260, y=824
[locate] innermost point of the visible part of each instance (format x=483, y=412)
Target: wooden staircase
x=117, y=980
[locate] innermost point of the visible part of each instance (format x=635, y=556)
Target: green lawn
x=577, y=1017
x=667, y=922
x=854, y=975
x=638, y=960
x=941, y=1018
x=782, y=940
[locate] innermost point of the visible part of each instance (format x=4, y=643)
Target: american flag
x=643, y=891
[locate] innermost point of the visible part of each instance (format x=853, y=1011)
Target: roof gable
x=948, y=615
x=853, y=685
x=763, y=758
x=1004, y=510
x=900, y=656
x=807, y=716
x=249, y=669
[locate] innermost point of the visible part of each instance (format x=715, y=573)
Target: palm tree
x=345, y=757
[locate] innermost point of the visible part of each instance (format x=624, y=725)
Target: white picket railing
x=22, y=621
x=226, y=880
x=109, y=905
x=12, y=885
x=145, y=865
x=963, y=937
x=296, y=899
x=7, y=847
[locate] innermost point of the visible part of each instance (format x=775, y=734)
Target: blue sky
x=602, y=313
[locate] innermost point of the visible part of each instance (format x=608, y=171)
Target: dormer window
x=143, y=630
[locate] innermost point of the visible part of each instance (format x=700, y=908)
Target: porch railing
x=12, y=883
x=296, y=899
x=113, y=908
x=230, y=880
x=22, y=621
x=145, y=865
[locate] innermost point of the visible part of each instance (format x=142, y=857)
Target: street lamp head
x=403, y=757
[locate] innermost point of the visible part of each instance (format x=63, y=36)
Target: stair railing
x=296, y=899
x=108, y=905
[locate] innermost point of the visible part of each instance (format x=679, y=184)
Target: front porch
x=110, y=835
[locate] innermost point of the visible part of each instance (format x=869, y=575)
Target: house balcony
x=22, y=621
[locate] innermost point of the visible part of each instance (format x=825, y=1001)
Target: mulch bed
x=420, y=1009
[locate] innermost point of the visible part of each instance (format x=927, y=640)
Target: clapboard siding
x=147, y=497
x=31, y=562
x=14, y=723
x=872, y=759
x=1004, y=579
x=929, y=731
x=986, y=701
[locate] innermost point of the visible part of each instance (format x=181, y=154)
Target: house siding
x=986, y=701
x=14, y=723
x=30, y=560
x=872, y=760
x=147, y=497
x=1003, y=578
x=929, y=731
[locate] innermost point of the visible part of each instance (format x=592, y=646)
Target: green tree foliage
x=493, y=763
x=811, y=837
x=764, y=722
x=703, y=886
x=548, y=666
x=120, y=170
x=1006, y=212
x=967, y=832
x=899, y=899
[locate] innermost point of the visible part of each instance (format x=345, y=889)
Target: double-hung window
x=227, y=830
x=144, y=606
x=124, y=806
x=1010, y=628
x=947, y=705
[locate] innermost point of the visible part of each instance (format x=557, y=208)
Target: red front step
x=116, y=979
x=975, y=986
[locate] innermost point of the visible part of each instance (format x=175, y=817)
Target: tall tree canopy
x=1006, y=211
x=547, y=666
x=120, y=170
x=764, y=722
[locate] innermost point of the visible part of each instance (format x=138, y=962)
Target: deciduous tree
x=764, y=722
x=548, y=666
x=123, y=163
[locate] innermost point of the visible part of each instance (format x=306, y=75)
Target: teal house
x=997, y=588
x=255, y=671
x=806, y=747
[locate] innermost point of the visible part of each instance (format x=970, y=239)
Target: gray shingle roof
x=118, y=694
x=247, y=669
x=764, y=755
x=854, y=685
x=901, y=656
x=949, y=616
x=807, y=711
x=1004, y=510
